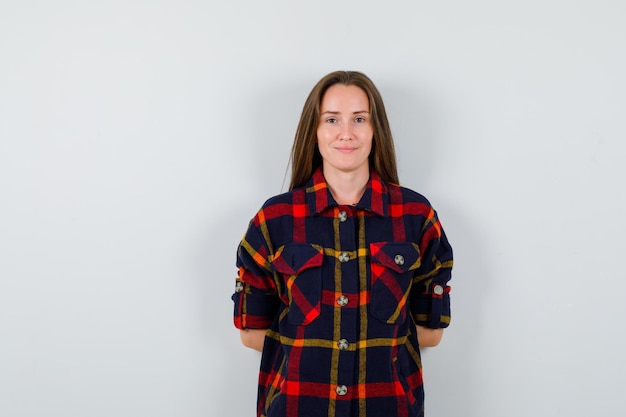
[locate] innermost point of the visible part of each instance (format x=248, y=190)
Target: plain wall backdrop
x=138, y=138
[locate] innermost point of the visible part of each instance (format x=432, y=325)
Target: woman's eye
x=331, y=120
x=360, y=120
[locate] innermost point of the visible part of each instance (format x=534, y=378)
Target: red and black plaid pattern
x=340, y=289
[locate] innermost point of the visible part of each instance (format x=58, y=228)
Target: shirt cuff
x=432, y=308
x=254, y=311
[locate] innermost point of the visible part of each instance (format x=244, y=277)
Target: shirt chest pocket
x=391, y=266
x=301, y=267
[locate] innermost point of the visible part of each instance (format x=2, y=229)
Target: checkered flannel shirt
x=340, y=289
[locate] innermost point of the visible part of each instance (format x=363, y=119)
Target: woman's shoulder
x=277, y=207
x=407, y=194
x=286, y=198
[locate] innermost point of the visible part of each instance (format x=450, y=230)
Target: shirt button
x=344, y=257
x=342, y=300
x=438, y=289
x=238, y=286
x=399, y=260
x=343, y=344
x=343, y=216
x=341, y=390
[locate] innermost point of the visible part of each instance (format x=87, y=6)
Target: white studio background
x=138, y=138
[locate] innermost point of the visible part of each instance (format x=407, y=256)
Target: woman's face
x=344, y=133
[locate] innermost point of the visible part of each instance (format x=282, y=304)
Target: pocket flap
x=294, y=258
x=397, y=256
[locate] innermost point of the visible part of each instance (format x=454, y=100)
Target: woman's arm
x=428, y=337
x=253, y=338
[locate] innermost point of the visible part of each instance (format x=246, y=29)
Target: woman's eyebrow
x=338, y=112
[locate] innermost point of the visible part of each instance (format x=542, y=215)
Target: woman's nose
x=346, y=132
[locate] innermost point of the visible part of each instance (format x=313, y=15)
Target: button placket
x=342, y=300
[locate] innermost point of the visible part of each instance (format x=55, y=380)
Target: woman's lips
x=346, y=149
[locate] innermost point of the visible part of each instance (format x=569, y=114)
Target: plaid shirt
x=340, y=289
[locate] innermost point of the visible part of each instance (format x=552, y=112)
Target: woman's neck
x=347, y=188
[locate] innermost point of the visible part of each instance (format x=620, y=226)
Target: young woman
x=344, y=277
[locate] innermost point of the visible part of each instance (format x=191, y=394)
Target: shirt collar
x=319, y=198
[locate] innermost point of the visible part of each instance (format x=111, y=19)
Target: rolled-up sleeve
x=430, y=294
x=256, y=296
